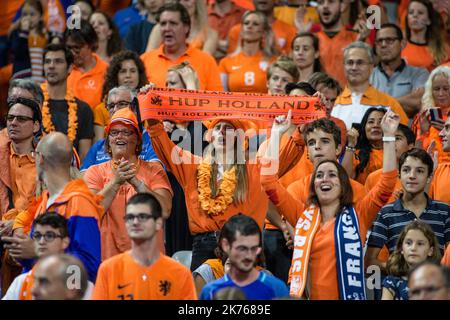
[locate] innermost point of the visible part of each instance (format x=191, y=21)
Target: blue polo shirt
x=266, y=287
x=393, y=217
x=403, y=81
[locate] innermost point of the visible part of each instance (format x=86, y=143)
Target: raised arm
x=371, y=204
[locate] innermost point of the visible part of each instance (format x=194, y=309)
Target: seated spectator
x=364, y=151
x=136, y=37
x=122, y=177
x=245, y=69
x=201, y=35
x=51, y=236
x=305, y=52
x=241, y=241
x=126, y=69
x=416, y=243
x=53, y=273
x=175, y=28
x=359, y=95
x=143, y=273
x=109, y=42
x=435, y=101
x=429, y=281
x=393, y=76
x=415, y=169
x=87, y=76
x=118, y=98
x=426, y=43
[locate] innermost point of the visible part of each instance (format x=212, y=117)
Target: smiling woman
x=122, y=177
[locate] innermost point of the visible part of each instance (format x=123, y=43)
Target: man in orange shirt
x=284, y=33
x=175, y=26
x=334, y=37
x=360, y=95
x=87, y=77
x=143, y=273
x=17, y=172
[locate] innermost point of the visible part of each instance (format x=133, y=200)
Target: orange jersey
x=287, y=14
x=375, y=163
x=284, y=34
x=332, y=52
x=101, y=115
x=438, y=188
x=185, y=172
x=157, y=63
x=122, y=278
x=114, y=234
x=87, y=86
x=323, y=271
x=245, y=73
x=418, y=56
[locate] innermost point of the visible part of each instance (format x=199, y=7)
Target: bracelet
x=388, y=139
x=351, y=149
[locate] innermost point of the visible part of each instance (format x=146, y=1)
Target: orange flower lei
x=73, y=119
x=224, y=198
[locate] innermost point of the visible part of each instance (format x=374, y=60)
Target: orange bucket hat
x=126, y=117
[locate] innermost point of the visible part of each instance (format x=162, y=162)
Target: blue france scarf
x=349, y=256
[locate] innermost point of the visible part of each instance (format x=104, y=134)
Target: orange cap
x=124, y=116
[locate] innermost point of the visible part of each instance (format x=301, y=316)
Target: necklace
x=224, y=198
x=72, y=118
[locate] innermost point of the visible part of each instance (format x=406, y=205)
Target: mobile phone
x=356, y=126
x=436, y=114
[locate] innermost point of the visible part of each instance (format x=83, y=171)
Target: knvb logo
x=156, y=101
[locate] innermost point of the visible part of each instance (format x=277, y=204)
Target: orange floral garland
x=224, y=198
x=73, y=118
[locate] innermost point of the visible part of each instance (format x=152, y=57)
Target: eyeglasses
x=121, y=104
x=48, y=236
x=115, y=133
x=142, y=217
x=358, y=63
x=388, y=41
x=418, y=291
x=20, y=119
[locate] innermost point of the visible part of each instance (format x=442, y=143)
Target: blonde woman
x=201, y=35
x=245, y=69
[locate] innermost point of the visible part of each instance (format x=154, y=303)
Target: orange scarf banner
x=191, y=105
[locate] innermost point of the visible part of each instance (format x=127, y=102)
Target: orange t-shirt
x=438, y=189
x=287, y=14
x=122, y=278
x=156, y=65
x=323, y=271
x=114, y=235
x=284, y=34
x=417, y=55
x=245, y=73
x=332, y=52
x=375, y=163
x=225, y=23
x=101, y=115
x=87, y=86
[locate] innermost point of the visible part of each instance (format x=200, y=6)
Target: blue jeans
x=203, y=248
